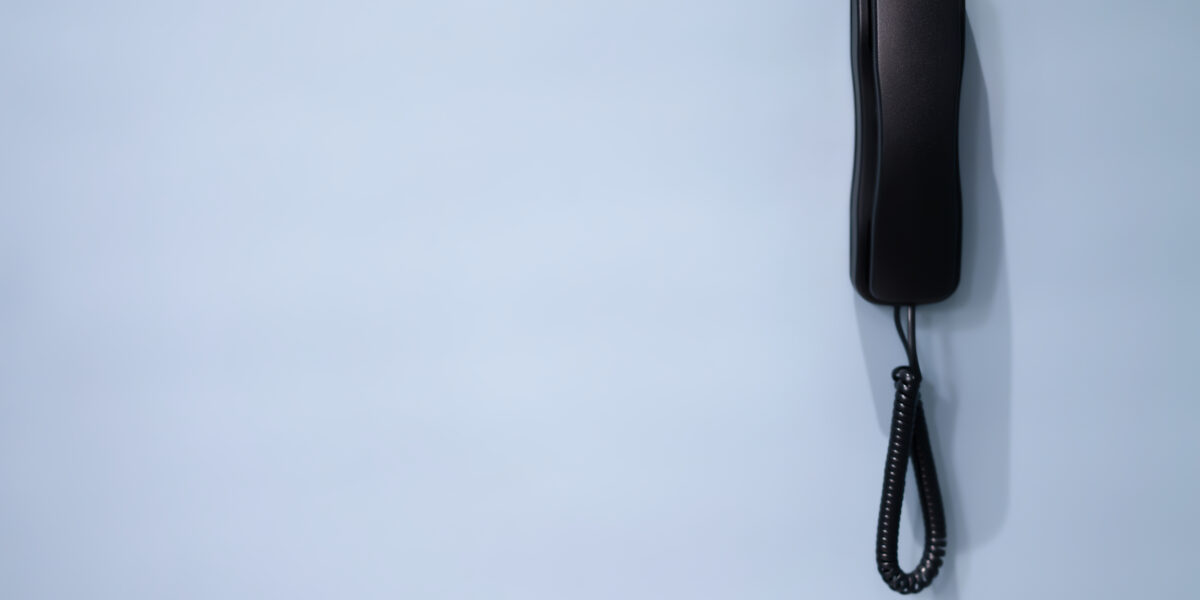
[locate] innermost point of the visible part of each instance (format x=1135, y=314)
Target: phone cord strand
x=909, y=438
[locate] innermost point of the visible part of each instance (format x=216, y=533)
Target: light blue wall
x=541, y=300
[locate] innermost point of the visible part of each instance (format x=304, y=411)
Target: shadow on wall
x=966, y=355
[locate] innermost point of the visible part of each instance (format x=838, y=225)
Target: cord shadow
x=965, y=345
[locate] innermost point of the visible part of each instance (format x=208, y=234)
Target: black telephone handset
x=906, y=224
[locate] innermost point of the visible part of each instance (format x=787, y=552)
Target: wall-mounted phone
x=906, y=224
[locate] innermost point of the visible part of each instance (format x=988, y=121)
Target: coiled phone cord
x=909, y=438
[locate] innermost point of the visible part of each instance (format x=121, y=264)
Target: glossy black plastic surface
x=906, y=213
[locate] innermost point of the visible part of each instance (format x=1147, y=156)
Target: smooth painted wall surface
x=549, y=300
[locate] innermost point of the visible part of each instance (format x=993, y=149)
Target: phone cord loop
x=909, y=438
